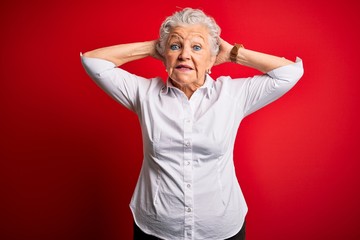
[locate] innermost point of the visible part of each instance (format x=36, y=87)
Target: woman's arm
x=260, y=90
x=126, y=88
x=260, y=61
x=123, y=53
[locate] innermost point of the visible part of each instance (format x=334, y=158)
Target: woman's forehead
x=189, y=31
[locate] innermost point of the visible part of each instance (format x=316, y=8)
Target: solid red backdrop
x=70, y=155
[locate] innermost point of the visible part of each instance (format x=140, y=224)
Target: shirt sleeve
x=121, y=85
x=258, y=91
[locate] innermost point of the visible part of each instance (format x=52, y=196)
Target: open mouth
x=184, y=67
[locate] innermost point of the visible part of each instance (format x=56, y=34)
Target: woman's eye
x=197, y=48
x=174, y=47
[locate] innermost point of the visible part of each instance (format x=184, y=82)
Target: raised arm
x=123, y=53
x=260, y=61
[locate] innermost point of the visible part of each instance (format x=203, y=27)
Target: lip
x=184, y=67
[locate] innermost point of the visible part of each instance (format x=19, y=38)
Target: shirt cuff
x=95, y=66
x=291, y=72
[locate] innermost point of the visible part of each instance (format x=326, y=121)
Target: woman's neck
x=187, y=89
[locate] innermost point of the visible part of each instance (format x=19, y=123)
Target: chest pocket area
x=217, y=127
x=167, y=142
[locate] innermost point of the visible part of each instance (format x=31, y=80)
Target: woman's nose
x=185, y=53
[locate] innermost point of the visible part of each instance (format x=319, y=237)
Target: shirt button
x=187, y=163
x=187, y=144
x=188, y=209
x=188, y=185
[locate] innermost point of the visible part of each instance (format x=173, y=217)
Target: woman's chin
x=181, y=81
x=185, y=80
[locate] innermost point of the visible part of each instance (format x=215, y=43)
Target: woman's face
x=188, y=56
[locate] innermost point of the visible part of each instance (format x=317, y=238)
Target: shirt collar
x=208, y=86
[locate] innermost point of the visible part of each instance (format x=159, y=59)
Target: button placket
x=188, y=172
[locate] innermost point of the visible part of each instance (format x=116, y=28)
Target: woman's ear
x=165, y=65
x=212, y=61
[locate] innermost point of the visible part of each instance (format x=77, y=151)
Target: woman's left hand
x=224, y=52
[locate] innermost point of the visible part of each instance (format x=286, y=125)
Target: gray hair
x=189, y=16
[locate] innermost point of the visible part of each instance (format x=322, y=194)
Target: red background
x=70, y=155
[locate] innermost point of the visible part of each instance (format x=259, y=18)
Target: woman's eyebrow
x=174, y=35
x=195, y=37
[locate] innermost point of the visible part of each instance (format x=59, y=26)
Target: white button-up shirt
x=187, y=188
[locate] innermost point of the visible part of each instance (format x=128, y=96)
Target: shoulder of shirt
x=225, y=81
x=229, y=86
x=154, y=86
x=223, y=78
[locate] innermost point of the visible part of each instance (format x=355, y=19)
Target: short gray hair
x=189, y=16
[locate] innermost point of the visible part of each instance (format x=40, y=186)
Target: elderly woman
x=187, y=188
